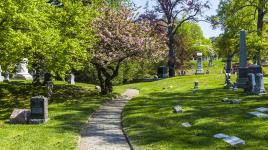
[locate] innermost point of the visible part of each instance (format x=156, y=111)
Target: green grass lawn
x=68, y=112
x=151, y=124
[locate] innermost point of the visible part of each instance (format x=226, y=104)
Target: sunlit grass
x=68, y=112
x=151, y=123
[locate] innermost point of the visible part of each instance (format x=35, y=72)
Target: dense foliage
x=53, y=38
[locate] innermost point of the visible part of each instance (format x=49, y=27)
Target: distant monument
x=242, y=70
x=22, y=71
x=199, y=69
x=71, y=78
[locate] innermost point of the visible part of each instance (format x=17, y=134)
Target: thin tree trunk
x=171, y=56
x=260, y=23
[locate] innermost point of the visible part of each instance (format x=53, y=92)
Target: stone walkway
x=104, y=131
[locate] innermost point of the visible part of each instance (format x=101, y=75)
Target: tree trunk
x=171, y=52
x=260, y=22
x=105, y=78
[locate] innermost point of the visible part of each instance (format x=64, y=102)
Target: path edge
x=82, y=130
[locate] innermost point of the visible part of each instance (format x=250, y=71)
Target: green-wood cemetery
x=106, y=74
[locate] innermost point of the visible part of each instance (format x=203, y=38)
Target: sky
x=206, y=27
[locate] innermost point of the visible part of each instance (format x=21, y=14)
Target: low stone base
x=23, y=76
x=20, y=116
x=242, y=82
x=37, y=121
x=260, y=92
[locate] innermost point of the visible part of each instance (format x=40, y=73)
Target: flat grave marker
x=186, y=124
x=232, y=140
x=262, y=109
x=258, y=114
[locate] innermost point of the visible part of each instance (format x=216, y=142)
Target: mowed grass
x=68, y=112
x=151, y=124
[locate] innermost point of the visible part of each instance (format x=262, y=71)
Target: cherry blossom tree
x=121, y=38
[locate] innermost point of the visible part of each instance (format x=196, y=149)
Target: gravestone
x=251, y=83
x=47, y=78
x=262, y=109
x=177, y=109
x=220, y=136
x=210, y=61
x=232, y=140
x=225, y=100
x=234, y=101
x=242, y=70
x=186, y=124
x=235, y=88
x=39, y=109
x=162, y=72
x=22, y=71
x=6, y=77
x=98, y=88
x=72, y=79
x=1, y=77
x=260, y=90
x=258, y=114
x=20, y=116
x=199, y=69
x=228, y=83
x=196, y=85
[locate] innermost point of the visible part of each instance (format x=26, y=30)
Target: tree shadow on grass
x=149, y=119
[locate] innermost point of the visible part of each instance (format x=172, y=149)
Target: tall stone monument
x=22, y=71
x=242, y=78
x=199, y=69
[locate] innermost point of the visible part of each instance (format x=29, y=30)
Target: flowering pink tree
x=121, y=37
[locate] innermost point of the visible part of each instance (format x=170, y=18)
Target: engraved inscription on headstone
x=39, y=109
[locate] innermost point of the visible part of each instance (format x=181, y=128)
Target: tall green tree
x=54, y=39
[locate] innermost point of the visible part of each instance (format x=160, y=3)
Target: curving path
x=104, y=131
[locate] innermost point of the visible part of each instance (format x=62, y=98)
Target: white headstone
x=22, y=71
x=72, y=79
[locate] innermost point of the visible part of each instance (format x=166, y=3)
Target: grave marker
x=39, y=109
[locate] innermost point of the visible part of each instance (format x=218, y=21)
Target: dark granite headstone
x=39, y=109
x=196, y=85
x=162, y=72
x=20, y=116
x=47, y=78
